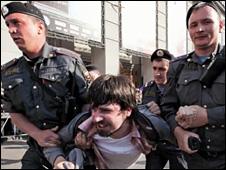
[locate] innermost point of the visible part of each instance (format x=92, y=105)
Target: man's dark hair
x=113, y=89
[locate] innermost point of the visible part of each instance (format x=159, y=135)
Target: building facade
x=117, y=36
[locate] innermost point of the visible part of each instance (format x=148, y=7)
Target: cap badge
x=160, y=53
x=5, y=10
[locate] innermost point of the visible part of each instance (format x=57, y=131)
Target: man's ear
x=221, y=26
x=128, y=111
x=41, y=27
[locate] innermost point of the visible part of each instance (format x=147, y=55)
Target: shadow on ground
x=9, y=161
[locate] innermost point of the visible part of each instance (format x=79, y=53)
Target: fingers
x=185, y=116
x=65, y=165
x=153, y=107
x=55, y=128
x=82, y=141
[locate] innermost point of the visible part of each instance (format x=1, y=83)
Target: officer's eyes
x=207, y=21
x=193, y=25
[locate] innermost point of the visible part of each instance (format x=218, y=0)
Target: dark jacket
x=151, y=92
x=151, y=127
x=44, y=90
x=185, y=88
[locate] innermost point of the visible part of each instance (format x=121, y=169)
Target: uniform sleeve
x=216, y=115
x=52, y=153
x=80, y=81
x=66, y=134
x=6, y=103
x=170, y=103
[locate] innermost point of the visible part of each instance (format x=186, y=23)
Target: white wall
x=8, y=48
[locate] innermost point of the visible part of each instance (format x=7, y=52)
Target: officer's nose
x=200, y=28
x=12, y=29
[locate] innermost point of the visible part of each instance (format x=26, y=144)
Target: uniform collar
x=47, y=52
x=195, y=58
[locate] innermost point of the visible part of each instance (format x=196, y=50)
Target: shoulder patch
x=151, y=83
x=9, y=64
x=67, y=52
x=184, y=57
x=77, y=56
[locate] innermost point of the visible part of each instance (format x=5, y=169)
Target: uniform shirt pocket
x=55, y=77
x=189, y=88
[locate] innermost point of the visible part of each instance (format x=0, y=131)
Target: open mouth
x=100, y=125
x=17, y=39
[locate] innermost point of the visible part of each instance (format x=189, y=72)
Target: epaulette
x=183, y=57
x=67, y=52
x=9, y=64
x=177, y=59
x=80, y=62
x=150, y=83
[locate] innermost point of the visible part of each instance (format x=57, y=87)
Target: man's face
x=108, y=118
x=23, y=30
x=94, y=74
x=160, y=69
x=204, y=26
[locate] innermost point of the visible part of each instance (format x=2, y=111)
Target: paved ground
x=12, y=151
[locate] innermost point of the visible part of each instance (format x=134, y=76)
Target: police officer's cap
x=160, y=54
x=206, y=3
x=24, y=8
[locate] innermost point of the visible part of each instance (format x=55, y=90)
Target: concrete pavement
x=11, y=153
x=13, y=150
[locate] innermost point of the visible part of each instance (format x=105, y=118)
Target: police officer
x=152, y=95
x=195, y=109
x=44, y=88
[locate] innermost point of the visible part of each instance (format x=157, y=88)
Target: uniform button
x=188, y=59
x=204, y=86
x=37, y=106
x=50, y=85
x=34, y=87
x=75, y=108
x=206, y=128
x=44, y=124
x=205, y=106
x=185, y=81
x=53, y=78
x=10, y=86
x=222, y=126
x=50, y=55
x=213, y=126
x=203, y=66
x=208, y=146
x=208, y=140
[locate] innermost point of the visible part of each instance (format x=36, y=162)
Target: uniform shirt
x=151, y=92
x=188, y=90
x=40, y=89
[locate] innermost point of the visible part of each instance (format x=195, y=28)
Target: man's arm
x=43, y=137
